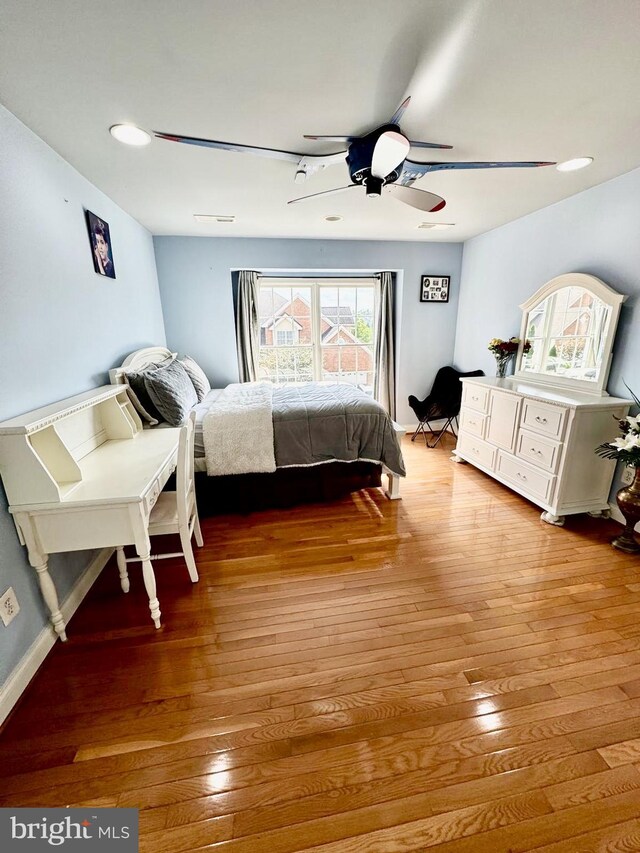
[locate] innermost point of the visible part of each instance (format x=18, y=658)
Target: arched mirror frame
x=601, y=291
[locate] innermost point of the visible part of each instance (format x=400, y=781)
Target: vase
x=502, y=365
x=628, y=500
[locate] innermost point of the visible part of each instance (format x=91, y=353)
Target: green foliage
x=364, y=331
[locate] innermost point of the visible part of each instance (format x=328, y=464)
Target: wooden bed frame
x=309, y=483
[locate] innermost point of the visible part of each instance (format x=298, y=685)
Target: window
x=318, y=329
x=284, y=338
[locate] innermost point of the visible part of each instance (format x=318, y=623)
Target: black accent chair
x=443, y=403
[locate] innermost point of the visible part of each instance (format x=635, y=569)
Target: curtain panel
x=247, y=326
x=384, y=389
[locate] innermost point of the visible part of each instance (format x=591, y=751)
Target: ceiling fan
x=377, y=160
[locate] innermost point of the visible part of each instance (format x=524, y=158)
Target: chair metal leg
x=442, y=432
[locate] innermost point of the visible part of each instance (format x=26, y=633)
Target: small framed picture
x=100, y=245
x=434, y=288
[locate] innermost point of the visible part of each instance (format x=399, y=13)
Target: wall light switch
x=9, y=607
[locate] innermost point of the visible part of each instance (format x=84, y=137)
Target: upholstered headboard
x=138, y=360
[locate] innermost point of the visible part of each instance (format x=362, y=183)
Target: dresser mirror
x=569, y=325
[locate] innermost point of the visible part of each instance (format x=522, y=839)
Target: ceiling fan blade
x=272, y=153
x=415, y=144
x=330, y=138
x=439, y=167
x=326, y=192
x=390, y=151
x=420, y=199
x=395, y=118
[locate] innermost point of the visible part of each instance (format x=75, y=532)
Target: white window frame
x=316, y=284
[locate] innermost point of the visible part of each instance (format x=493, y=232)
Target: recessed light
x=214, y=217
x=130, y=134
x=572, y=165
x=436, y=225
x=334, y=218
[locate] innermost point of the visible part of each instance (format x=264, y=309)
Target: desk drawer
x=477, y=450
x=475, y=397
x=542, y=418
x=533, y=482
x=156, y=487
x=538, y=450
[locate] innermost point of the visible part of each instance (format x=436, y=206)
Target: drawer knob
x=541, y=420
x=472, y=423
x=533, y=450
x=475, y=399
x=521, y=476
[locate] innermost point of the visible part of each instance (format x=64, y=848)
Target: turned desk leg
x=39, y=560
x=150, y=585
x=51, y=599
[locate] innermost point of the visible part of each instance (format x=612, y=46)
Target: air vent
x=436, y=225
x=213, y=217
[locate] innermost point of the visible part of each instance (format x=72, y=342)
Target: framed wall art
x=434, y=288
x=100, y=245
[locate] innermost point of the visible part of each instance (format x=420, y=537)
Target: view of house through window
x=320, y=330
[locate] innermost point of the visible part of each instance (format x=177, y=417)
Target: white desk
x=83, y=474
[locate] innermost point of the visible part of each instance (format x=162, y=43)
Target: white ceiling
x=497, y=79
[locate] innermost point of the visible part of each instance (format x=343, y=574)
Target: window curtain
x=384, y=388
x=247, y=326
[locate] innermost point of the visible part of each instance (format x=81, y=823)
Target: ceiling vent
x=213, y=217
x=436, y=225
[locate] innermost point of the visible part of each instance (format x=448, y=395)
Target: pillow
x=171, y=391
x=140, y=397
x=197, y=376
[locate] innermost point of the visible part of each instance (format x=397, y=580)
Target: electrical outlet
x=9, y=607
x=628, y=474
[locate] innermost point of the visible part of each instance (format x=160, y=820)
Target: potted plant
x=626, y=449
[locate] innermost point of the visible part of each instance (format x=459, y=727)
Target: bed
x=327, y=440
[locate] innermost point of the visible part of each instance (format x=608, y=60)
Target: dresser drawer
x=472, y=422
x=542, y=418
x=541, y=451
x=477, y=450
x=531, y=481
x=475, y=397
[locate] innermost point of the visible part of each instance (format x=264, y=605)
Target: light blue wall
x=596, y=232
x=195, y=285
x=62, y=326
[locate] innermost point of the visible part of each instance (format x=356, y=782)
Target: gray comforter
x=319, y=423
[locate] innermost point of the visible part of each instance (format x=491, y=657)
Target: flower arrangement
x=625, y=448
x=500, y=348
x=504, y=351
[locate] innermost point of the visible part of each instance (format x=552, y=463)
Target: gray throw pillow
x=197, y=376
x=140, y=397
x=171, y=391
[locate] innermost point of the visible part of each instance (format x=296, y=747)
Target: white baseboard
x=17, y=682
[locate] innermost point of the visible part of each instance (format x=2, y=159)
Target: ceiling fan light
x=129, y=134
x=573, y=165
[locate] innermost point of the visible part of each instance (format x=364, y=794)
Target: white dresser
x=540, y=442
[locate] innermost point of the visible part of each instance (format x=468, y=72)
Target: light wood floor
x=441, y=672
